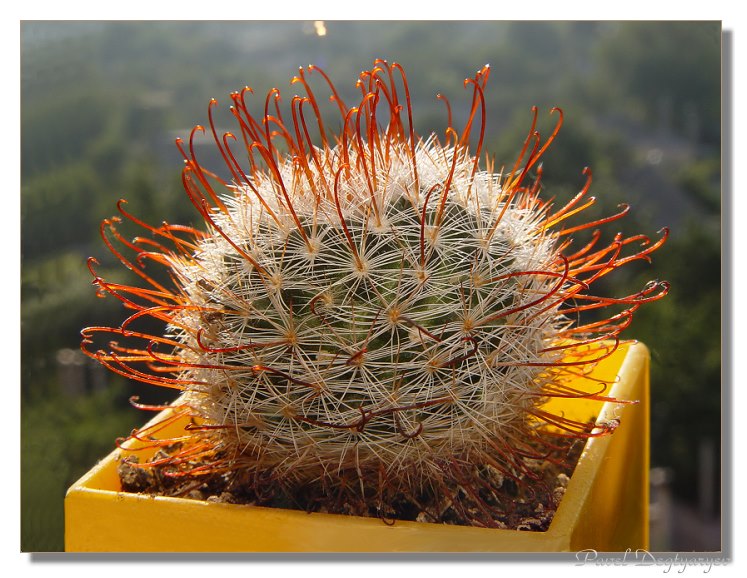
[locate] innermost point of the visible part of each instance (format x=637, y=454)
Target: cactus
x=368, y=310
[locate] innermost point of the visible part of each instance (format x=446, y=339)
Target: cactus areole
x=367, y=311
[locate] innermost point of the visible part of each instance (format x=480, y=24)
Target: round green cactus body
x=372, y=307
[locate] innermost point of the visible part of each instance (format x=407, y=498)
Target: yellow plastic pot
x=605, y=506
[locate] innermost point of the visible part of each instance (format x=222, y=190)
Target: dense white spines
x=373, y=315
x=380, y=338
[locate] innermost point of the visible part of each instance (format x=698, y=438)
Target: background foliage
x=103, y=102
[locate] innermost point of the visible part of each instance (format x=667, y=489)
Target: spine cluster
x=368, y=306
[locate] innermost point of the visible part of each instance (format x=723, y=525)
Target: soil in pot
x=527, y=502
